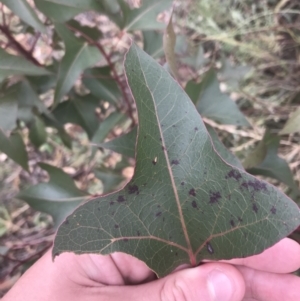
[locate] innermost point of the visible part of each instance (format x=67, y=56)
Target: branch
x=112, y=68
x=18, y=46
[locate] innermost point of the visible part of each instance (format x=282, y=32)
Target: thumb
x=208, y=282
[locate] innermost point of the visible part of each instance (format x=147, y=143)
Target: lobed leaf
x=184, y=203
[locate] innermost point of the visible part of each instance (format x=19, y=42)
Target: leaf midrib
x=181, y=217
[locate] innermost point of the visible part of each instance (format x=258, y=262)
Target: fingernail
x=220, y=286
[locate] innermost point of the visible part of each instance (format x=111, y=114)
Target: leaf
x=16, y=65
x=64, y=10
x=123, y=145
x=37, y=132
x=92, y=32
x=59, y=197
x=144, y=17
x=169, y=41
x=78, y=56
x=257, y=156
x=233, y=75
x=212, y=103
x=273, y=166
x=184, y=203
x=223, y=151
x=153, y=43
x=101, y=84
x=22, y=9
x=80, y=110
x=8, y=112
x=111, y=180
x=293, y=124
x=14, y=148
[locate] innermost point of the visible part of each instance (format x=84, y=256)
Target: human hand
x=119, y=276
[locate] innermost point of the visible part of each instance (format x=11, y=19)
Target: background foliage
x=64, y=98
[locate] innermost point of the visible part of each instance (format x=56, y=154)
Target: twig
x=112, y=68
x=18, y=46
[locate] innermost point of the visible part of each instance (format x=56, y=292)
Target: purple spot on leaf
x=194, y=204
x=133, y=189
x=192, y=192
x=125, y=239
x=120, y=199
x=182, y=183
x=111, y=203
x=234, y=174
x=158, y=214
x=174, y=162
x=232, y=223
x=116, y=226
x=214, y=197
x=273, y=210
x=196, y=129
x=255, y=208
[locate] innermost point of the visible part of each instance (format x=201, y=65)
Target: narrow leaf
x=37, y=132
x=23, y=10
x=14, y=148
x=184, y=203
x=16, y=65
x=77, y=58
x=293, y=124
x=212, y=103
x=169, y=41
x=59, y=197
x=8, y=112
x=257, y=156
x=110, y=179
x=153, y=43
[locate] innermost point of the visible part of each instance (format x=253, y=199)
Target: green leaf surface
x=77, y=58
x=293, y=124
x=81, y=111
x=8, y=112
x=212, y=103
x=273, y=166
x=257, y=156
x=153, y=43
x=184, y=203
x=92, y=32
x=64, y=10
x=14, y=148
x=169, y=41
x=144, y=17
x=16, y=65
x=37, y=132
x=58, y=197
x=124, y=145
x=23, y=10
x=102, y=85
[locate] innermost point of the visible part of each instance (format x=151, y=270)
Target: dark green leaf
x=123, y=145
x=214, y=104
x=92, y=32
x=102, y=85
x=22, y=9
x=273, y=166
x=81, y=111
x=78, y=57
x=256, y=156
x=59, y=197
x=8, y=112
x=144, y=17
x=14, y=148
x=184, y=203
x=16, y=65
x=37, y=132
x=64, y=10
x=110, y=179
x=153, y=43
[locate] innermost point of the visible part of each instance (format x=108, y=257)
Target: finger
x=263, y=286
x=209, y=282
x=283, y=257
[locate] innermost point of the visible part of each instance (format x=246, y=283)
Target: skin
x=263, y=277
